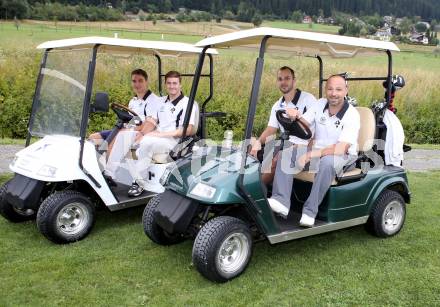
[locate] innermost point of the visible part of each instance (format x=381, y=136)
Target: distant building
x=330, y=20
x=383, y=34
x=419, y=38
x=307, y=19
x=398, y=21
x=320, y=19
x=388, y=19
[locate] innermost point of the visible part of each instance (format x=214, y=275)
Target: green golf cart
x=216, y=194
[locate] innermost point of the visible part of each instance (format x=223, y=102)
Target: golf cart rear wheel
x=12, y=214
x=222, y=248
x=153, y=230
x=66, y=216
x=388, y=215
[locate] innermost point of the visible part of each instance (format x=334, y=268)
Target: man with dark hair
x=293, y=98
x=169, y=128
x=144, y=103
x=336, y=124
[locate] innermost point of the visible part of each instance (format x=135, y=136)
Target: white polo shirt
x=171, y=114
x=145, y=106
x=329, y=130
x=302, y=103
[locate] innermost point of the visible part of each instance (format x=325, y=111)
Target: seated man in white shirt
x=143, y=104
x=169, y=128
x=336, y=124
x=292, y=97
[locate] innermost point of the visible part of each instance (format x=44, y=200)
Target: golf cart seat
x=161, y=158
x=365, y=143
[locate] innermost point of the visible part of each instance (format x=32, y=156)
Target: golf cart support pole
x=159, y=73
x=36, y=96
x=250, y=202
x=86, y=113
x=211, y=93
x=321, y=75
x=192, y=94
x=389, y=78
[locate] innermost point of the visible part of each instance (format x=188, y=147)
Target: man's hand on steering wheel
x=292, y=113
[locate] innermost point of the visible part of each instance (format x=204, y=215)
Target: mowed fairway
x=118, y=265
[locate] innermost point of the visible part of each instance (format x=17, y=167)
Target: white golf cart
x=58, y=179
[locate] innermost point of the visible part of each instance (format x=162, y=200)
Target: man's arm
x=256, y=146
x=338, y=149
x=147, y=126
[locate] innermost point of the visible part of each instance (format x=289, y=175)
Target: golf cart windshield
x=60, y=95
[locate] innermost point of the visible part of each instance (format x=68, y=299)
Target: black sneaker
x=135, y=190
x=109, y=180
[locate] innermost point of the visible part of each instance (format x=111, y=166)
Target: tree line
x=243, y=10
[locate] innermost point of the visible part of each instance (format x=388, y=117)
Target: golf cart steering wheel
x=293, y=127
x=124, y=113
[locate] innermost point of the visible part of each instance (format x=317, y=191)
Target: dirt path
x=418, y=160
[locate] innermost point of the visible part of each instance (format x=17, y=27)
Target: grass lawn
x=118, y=265
x=34, y=34
x=9, y=141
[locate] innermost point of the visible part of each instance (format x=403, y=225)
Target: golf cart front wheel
x=388, y=215
x=66, y=216
x=222, y=248
x=11, y=213
x=153, y=230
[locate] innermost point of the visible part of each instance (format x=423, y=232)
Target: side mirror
x=101, y=103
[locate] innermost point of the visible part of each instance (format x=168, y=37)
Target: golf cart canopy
x=108, y=44
x=301, y=42
x=63, y=96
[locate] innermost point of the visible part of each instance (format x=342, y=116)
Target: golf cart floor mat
x=292, y=222
x=120, y=191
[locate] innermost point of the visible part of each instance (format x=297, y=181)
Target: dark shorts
x=105, y=133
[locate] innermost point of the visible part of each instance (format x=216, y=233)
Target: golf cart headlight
x=203, y=190
x=47, y=171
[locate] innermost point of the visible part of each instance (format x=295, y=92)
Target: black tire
x=54, y=205
x=378, y=224
x=208, y=247
x=153, y=230
x=12, y=214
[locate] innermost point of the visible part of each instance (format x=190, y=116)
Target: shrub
x=417, y=104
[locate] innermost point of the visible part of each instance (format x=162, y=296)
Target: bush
x=58, y=11
x=417, y=104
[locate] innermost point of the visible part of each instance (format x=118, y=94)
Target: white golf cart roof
x=108, y=44
x=301, y=42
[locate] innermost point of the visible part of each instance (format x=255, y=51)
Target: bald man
x=336, y=124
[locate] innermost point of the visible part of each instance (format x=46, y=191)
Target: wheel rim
x=73, y=218
x=23, y=212
x=393, y=217
x=233, y=253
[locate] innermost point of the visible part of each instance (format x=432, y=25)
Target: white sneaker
x=306, y=221
x=278, y=207
x=155, y=188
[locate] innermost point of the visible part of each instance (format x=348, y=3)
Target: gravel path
x=416, y=160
